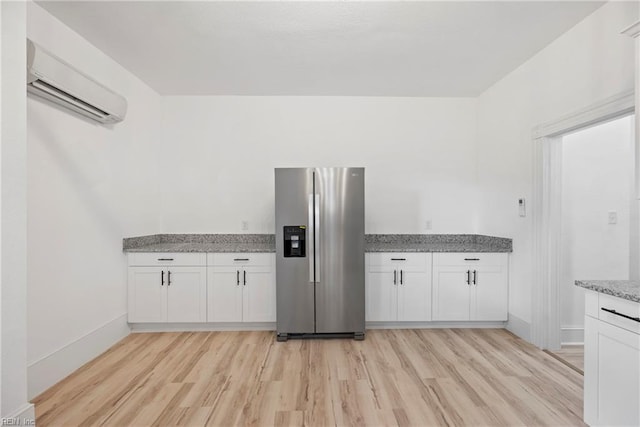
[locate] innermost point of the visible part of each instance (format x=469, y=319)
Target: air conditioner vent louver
x=51, y=78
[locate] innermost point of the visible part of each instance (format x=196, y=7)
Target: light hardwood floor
x=479, y=377
x=572, y=355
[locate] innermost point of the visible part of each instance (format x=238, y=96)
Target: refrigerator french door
x=319, y=252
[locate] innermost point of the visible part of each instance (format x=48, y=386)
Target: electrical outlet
x=244, y=225
x=427, y=225
x=613, y=217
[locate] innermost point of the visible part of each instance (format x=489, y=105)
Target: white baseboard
x=49, y=370
x=519, y=327
x=271, y=326
x=571, y=335
x=433, y=325
x=190, y=327
x=24, y=416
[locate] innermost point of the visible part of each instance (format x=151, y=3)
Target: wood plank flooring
x=422, y=377
x=573, y=355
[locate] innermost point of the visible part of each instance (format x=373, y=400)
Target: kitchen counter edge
x=625, y=289
x=266, y=243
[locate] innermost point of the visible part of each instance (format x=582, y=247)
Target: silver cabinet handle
x=168, y=277
x=468, y=277
x=244, y=277
x=475, y=277
x=394, y=276
x=237, y=277
x=401, y=278
x=162, y=278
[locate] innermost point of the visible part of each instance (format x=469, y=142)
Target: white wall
x=597, y=166
x=590, y=62
x=13, y=251
x=89, y=185
x=219, y=154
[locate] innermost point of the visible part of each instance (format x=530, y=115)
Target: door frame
x=547, y=174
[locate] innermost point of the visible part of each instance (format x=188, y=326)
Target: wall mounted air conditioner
x=50, y=77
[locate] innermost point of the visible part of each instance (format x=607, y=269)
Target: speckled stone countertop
x=266, y=243
x=626, y=289
x=436, y=243
x=201, y=243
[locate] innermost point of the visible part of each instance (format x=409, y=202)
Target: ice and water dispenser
x=295, y=241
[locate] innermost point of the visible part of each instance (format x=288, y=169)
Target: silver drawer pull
x=398, y=259
x=241, y=259
x=472, y=259
x=609, y=310
x=165, y=259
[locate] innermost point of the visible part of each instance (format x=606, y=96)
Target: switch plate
x=244, y=225
x=522, y=208
x=613, y=217
x=427, y=225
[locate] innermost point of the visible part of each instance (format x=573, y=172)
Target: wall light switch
x=613, y=217
x=522, y=209
x=244, y=225
x=427, y=225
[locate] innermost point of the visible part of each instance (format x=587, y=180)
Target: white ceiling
x=362, y=48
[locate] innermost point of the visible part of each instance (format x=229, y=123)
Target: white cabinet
x=398, y=287
x=166, y=288
x=612, y=361
x=241, y=287
x=470, y=286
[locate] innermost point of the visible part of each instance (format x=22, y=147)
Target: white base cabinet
x=161, y=291
x=241, y=288
x=233, y=288
x=199, y=288
x=398, y=287
x=611, y=361
x=470, y=286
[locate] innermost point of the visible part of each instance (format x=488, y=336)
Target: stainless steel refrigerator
x=319, y=252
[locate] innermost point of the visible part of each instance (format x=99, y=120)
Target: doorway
x=596, y=199
x=547, y=212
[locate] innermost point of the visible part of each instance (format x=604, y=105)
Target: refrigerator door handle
x=311, y=240
x=316, y=232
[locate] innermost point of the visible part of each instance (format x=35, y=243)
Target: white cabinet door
x=186, y=289
x=259, y=294
x=612, y=375
x=224, y=294
x=398, y=287
x=451, y=293
x=470, y=286
x=381, y=294
x=414, y=296
x=147, y=295
x=489, y=298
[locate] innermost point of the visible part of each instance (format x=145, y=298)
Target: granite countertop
x=626, y=289
x=436, y=243
x=266, y=243
x=204, y=247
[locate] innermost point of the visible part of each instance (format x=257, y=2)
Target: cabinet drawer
x=470, y=258
x=167, y=258
x=419, y=260
x=622, y=307
x=239, y=259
